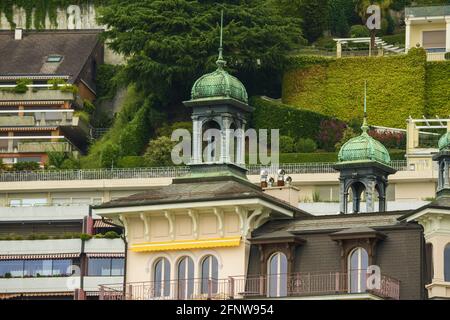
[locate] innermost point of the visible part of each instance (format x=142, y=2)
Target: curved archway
x=358, y=261
x=211, y=140
x=161, y=277
x=277, y=267
x=357, y=188
x=185, y=278
x=209, y=267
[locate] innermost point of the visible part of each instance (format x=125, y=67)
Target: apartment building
x=46, y=79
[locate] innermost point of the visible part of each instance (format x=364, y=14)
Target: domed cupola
x=364, y=167
x=364, y=148
x=444, y=142
x=219, y=84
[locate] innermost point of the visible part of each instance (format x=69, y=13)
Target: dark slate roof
x=346, y=223
x=200, y=189
x=27, y=56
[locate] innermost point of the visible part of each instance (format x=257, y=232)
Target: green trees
x=158, y=152
x=170, y=43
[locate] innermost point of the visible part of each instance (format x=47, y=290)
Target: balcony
x=36, y=95
x=298, y=285
x=39, y=247
x=41, y=147
x=36, y=284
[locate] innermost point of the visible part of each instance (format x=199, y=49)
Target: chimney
x=18, y=33
x=280, y=178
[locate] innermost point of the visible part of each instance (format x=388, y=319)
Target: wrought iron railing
x=172, y=172
x=241, y=287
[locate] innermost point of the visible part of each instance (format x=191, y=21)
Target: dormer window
x=54, y=58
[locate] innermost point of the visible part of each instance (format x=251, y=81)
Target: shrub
x=330, y=132
x=131, y=162
x=109, y=155
x=111, y=235
x=447, y=56
x=305, y=145
x=55, y=83
x=158, y=152
x=21, y=85
x=391, y=140
x=56, y=159
x=88, y=107
x=286, y=144
x=25, y=166
x=70, y=163
x=359, y=31
x=85, y=236
x=167, y=130
x=437, y=91
x=308, y=157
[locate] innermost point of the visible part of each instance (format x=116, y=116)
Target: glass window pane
x=447, y=263
x=11, y=268
x=61, y=267
x=99, y=267
x=117, y=266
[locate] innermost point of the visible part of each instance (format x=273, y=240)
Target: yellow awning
x=186, y=244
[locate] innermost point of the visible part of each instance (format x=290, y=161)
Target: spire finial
x=364, y=126
x=220, y=61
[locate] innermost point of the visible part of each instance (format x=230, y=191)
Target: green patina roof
x=219, y=84
x=363, y=148
x=444, y=141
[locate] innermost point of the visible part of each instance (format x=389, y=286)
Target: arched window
x=161, y=278
x=185, y=278
x=447, y=263
x=357, y=270
x=277, y=275
x=210, y=274
x=211, y=141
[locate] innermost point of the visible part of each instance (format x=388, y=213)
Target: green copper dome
x=219, y=84
x=444, y=141
x=364, y=148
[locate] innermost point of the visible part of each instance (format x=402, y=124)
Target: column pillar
x=343, y=196
x=197, y=140
x=240, y=148
x=225, y=145
x=370, y=190
x=407, y=34
x=338, y=49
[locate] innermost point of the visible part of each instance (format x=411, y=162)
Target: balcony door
x=357, y=270
x=277, y=275
x=161, y=279
x=185, y=278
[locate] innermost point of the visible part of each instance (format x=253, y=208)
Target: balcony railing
x=172, y=172
x=294, y=285
x=44, y=147
x=428, y=11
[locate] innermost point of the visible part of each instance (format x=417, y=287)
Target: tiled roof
x=201, y=189
x=28, y=56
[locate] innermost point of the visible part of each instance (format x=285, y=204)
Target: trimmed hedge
x=437, y=89
x=335, y=87
x=293, y=122
x=327, y=156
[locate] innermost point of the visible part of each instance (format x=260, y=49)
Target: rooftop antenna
x=220, y=61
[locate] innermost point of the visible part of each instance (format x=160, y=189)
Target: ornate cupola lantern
x=364, y=166
x=443, y=159
x=219, y=101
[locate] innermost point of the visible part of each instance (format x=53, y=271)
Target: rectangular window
x=117, y=266
x=434, y=39
x=106, y=267
x=11, y=268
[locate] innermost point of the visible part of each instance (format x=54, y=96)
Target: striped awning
x=92, y=293
x=106, y=255
x=9, y=295
x=38, y=256
x=47, y=294
x=28, y=129
x=186, y=244
x=102, y=224
x=31, y=103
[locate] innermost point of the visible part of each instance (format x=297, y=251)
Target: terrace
x=295, y=286
x=175, y=171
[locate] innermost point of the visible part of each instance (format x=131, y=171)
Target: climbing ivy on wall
x=37, y=10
